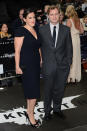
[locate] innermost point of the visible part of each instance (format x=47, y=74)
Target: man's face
x=21, y=14
x=61, y=16
x=85, y=20
x=54, y=16
x=46, y=8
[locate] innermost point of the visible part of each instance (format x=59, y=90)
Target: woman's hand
x=41, y=62
x=40, y=57
x=18, y=70
x=81, y=30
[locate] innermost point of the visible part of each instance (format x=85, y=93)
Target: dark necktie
x=54, y=34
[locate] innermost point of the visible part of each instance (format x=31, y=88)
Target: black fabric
x=54, y=34
x=78, y=128
x=30, y=63
x=56, y=63
x=16, y=24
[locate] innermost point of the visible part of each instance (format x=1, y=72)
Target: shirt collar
x=57, y=25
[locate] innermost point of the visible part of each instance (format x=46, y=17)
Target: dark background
x=9, y=8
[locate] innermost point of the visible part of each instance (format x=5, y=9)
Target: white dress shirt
x=57, y=30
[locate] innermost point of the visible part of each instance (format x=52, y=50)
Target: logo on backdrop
x=17, y=115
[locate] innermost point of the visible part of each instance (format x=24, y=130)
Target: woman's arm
x=81, y=28
x=68, y=23
x=18, y=41
x=40, y=57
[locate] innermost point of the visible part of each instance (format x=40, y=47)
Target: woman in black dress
x=27, y=60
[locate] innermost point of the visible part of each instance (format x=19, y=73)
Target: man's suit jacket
x=61, y=55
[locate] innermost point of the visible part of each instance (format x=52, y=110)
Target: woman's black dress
x=30, y=62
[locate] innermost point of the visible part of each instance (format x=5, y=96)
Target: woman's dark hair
x=2, y=25
x=27, y=11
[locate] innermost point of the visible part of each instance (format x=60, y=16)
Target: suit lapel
x=59, y=35
x=48, y=33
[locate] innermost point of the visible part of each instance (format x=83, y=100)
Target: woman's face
x=4, y=28
x=30, y=19
x=61, y=16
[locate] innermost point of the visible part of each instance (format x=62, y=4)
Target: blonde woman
x=76, y=28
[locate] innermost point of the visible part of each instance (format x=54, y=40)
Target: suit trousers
x=54, y=85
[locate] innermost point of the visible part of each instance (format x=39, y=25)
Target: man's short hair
x=52, y=7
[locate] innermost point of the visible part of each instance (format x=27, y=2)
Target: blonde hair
x=71, y=13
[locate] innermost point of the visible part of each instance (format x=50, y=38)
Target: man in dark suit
x=56, y=60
